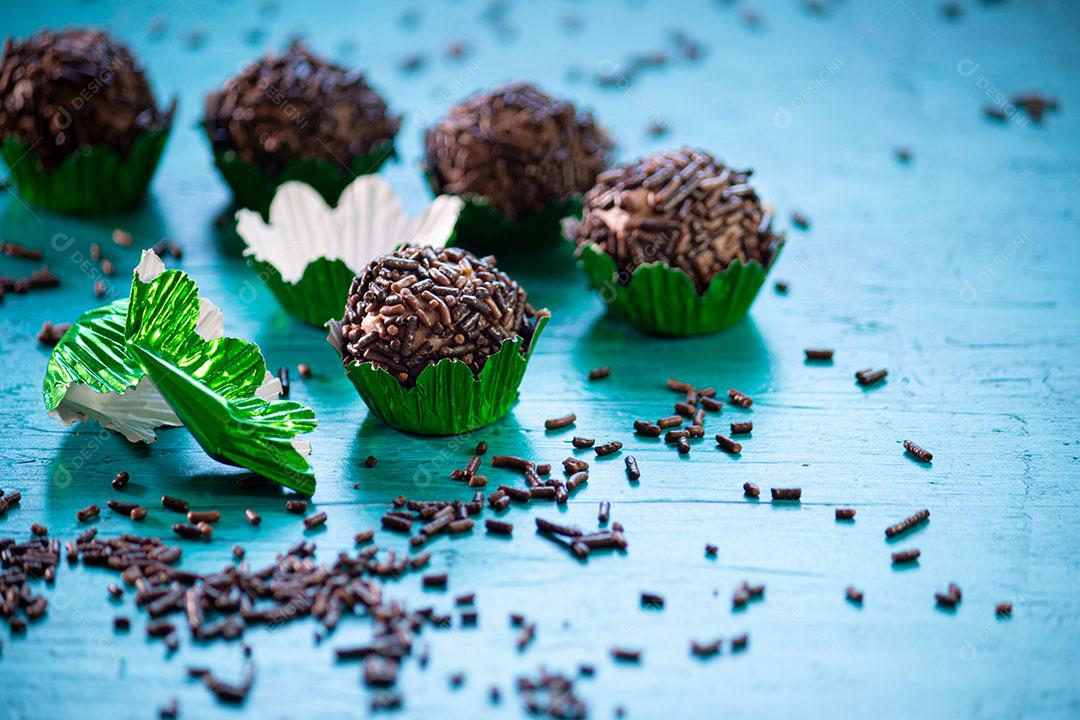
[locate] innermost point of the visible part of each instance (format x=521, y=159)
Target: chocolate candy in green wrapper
x=79, y=126
x=520, y=159
x=676, y=243
x=436, y=340
x=296, y=116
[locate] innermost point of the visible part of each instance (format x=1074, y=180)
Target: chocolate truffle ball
x=517, y=148
x=417, y=305
x=681, y=207
x=297, y=105
x=61, y=91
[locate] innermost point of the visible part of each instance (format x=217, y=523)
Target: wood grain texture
x=957, y=272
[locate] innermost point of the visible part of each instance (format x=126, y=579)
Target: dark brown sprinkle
x=88, y=512
x=786, y=493
x=364, y=536
x=252, y=517
x=904, y=154
x=607, y=448
x=583, y=442
x=711, y=404
x=782, y=287
x=207, y=516
x=121, y=480
x=1003, y=609
x=316, y=520
x=1035, y=105
x=707, y=649
x=632, y=472
x=460, y=526
x=683, y=445
x=742, y=428
x=800, y=221
x=739, y=399
x=517, y=148
x=739, y=642
x=121, y=623
x=728, y=445
x=50, y=334
x=907, y=523
x=905, y=556
x=138, y=514
x=481, y=447
x=396, y=523
x=124, y=508
x=711, y=550
x=685, y=409
x=622, y=654
x=39, y=529
x=100, y=288
x=599, y=373
x=751, y=490
x=434, y=580
x=560, y=422
x=678, y=385
x=188, y=532
x=604, y=513
x=18, y=251
x=845, y=513
x=515, y=494
x=652, y=600
x=304, y=369
x=573, y=465
x=853, y=594
x=75, y=88
x=646, y=429
x=175, y=504
x=478, y=481
x=917, y=452
x=546, y=526
x=950, y=598
x=818, y=354
x=297, y=105
x=869, y=376
x=669, y=422
x=298, y=507
x=543, y=469
x=511, y=461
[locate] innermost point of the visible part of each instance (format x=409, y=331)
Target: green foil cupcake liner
x=662, y=300
x=448, y=399
x=254, y=190
x=309, y=252
x=160, y=358
x=93, y=180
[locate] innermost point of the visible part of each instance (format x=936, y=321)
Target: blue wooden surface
x=957, y=272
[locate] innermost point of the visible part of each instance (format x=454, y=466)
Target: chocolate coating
x=417, y=305
x=516, y=147
x=682, y=207
x=60, y=91
x=297, y=105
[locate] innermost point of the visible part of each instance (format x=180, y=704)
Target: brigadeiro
x=296, y=116
x=437, y=340
x=677, y=242
x=79, y=125
x=521, y=160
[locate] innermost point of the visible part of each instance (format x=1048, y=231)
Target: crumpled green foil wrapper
x=662, y=300
x=318, y=296
x=254, y=190
x=207, y=385
x=93, y=180
x=448, y=399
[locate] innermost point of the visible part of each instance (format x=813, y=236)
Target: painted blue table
x=957, y=271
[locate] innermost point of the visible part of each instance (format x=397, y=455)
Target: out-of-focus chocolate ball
x=60, y=91
x=297, y=105
x=517, y=148
x=417, y=305
x=682, y=207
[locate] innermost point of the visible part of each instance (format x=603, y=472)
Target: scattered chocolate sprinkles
x=786, y=493
x=853, y=594
x=818, y=354
x=917, y=452
x=607, y=448
x=632, y=472
x=742, y=428
x=751, y=490
x=560, y=422
x=121, y=480
x=845, y=513
x=599, y=373
x=907, y=523
x=728, y=445
x=869, y=376
x=905, y=556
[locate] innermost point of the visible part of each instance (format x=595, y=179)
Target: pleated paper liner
x=662, y=300
x=448, y=399
x=309, y=252
x=160, y=358
x=255, y=190
x=93, y=180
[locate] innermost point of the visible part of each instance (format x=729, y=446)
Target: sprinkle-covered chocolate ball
x=61, y=91
x=682, y=207
x=517, y=148
x=297, y=105
x=417, y=305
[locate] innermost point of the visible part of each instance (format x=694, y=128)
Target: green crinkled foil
x=662, y=300
x=318, y=296
x=255, y=191
x=448, y=399
x=92, y=180
x=209, y=384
